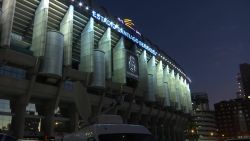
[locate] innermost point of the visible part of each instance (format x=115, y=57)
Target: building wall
x=233, y=118
x=203, y=120
x=245, y=78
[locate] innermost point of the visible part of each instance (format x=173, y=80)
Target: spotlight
x=87, y=8
x=72, y=0
x=80, y=4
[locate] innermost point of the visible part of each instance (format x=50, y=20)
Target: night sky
x=208, y=38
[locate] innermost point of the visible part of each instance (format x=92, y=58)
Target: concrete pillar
x=160, y=95
x=74, y=118
x=166, y=79
x=185, y=91
x=171, y=123
x=172, y=133
x=167, y=132
x=40, y=28
x=105, y=45
x=182, y=94
x=189, y=99
x=18, y=109
x=177, y=89
x=66, y=28
x=87, y=47
x=154, y=127
x=179, y=124
x=82, y=101
x=151, y=80
x=162, y=132
x=172, y=89
x=143, y=75
x=47, y=110
x=119, y=63
x=181, y=134
x=8, y=10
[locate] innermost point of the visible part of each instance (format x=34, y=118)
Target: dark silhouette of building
x=244, y=81
x=203, y=120
x=233, y=118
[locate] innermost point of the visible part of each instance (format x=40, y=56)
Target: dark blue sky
x=208, y=38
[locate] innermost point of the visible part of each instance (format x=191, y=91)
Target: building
x=72, y=61
x=243, y=80
x=203, y=119
x=233, y=118
x=240, y=92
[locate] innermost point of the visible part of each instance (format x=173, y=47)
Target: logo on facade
x=130, y=24
x=132, y=64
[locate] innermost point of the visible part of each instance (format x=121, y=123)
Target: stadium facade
x=64, y=62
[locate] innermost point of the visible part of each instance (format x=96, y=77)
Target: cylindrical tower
x=53, y=57
x=98, y=80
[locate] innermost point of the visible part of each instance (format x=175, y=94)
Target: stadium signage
x=132, y=66
x=116, y=27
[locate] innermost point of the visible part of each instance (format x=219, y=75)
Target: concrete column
x=87, y=47
x=82, y=101
x=167, y=133
x=189, y=99
x=172, y=133
x=179, y=124
x=172, y=122
x=119, y=63
x=8, y=10
x=166, y=79
x=66, y=28
x=186, y=96
x=159, y=82
x=74, y=118
x=181, y=135
x=105, y=45
x=182, y=95
x=18, y=108
x=162, y=135
x=177, y=89
x=172, y=89
x=151, y=80
x=143, y=75
x=40, y=28
x=47, y=109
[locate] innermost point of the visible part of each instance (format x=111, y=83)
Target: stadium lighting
x=80, y=4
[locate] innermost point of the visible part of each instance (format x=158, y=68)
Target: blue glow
x=122, y=31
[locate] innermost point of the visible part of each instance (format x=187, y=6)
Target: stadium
x=64, y=62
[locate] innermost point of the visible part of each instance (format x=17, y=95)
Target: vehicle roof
x=119, y=128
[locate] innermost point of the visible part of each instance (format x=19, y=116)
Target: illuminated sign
x=132, y=65
x=129, y=23
x=116, y=27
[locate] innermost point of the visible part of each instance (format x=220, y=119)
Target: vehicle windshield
x=126, y=137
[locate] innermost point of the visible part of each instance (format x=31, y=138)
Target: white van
x=111, y=132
